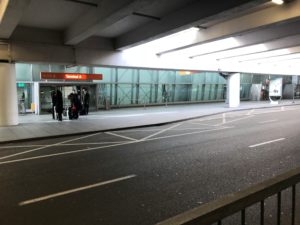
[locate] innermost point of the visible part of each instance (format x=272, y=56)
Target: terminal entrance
x=46, y=101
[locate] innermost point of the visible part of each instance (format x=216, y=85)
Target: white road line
x=203, y=124
x=64, y=153
x=159, y=132
x=27, y=202
x=20, y=146
x=108, y=146
x=122, y=136
x=267, y=121
x=250, y=112
x=267, y=142
x=196, y=132
x=87, y=143
x=223, y=118
x=207, y=119
x=231, y=121
x=46, y=146
x=276, y=111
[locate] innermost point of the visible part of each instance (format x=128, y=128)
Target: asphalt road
x=143, y=176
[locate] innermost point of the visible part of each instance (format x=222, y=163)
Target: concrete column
x=8, y=95
x=36, y=94
x=233, y=86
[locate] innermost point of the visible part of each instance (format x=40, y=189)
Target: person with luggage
x=75, y=106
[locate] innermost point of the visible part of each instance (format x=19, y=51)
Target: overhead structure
x=232, y=36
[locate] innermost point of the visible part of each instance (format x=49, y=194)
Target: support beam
x=238, y=27
x=12, y=17
x=189, y=16
x=102, y=17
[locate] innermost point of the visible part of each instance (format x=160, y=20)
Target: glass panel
x=57, y=68
x=24, y=93
x=106, y=72
x=167, y=77
x=183, y=79
x=23, y=72
x=37, y=69
x=147, y=76
x=198, y=78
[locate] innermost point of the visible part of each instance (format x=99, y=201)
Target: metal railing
x=216, y=211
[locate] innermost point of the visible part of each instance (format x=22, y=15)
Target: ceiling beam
x=195, y=14
x=260, y=21
x=12, y=17
x=103, y=17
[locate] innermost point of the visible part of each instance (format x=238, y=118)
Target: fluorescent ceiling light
x=176, y=40
x=206, y=48
x=3, y=7
x=235, y=52
x=277, y=59
x=261, y=55
x=278, y=2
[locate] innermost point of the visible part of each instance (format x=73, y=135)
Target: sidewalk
x=38, y=126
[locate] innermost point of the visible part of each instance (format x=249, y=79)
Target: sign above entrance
x=70, y=76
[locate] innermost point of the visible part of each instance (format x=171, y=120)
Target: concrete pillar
x=8, y=95
x=36, y=94
x=233, y=86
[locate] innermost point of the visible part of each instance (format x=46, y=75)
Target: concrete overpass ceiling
x=225, y=30
x=52, y=14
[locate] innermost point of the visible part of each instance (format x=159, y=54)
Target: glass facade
x=123, y=87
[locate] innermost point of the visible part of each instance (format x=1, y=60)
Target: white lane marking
x=138, y=114
x=87, y=143
x=65, y=153
x=20, y=146
x=196, y=132
x=203, y=124
x=206, y=119
x=223, y=118
x=27, y=202
x=277, y=111
x=122, y=136
x=267, y=142
x=108, y=146
x=46, y=146
x=159, y=132
x=267, y=121
x=250, y=112
x=231, y=121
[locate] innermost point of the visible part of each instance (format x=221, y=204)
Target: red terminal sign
x=70, y=76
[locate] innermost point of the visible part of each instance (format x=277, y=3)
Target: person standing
x=86, y=101
x=53, y=97
x=59, y=104
x=22, y=102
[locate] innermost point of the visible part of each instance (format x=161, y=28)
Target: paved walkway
x=34, y=126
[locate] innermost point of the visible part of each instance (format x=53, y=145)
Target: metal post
x=243, y=217
x=262, y=212
x=278, y=208
x=293, y=204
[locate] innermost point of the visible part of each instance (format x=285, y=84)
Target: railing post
x=278, y=208
x=243, y=217
x=262, y=212
x=293, y=203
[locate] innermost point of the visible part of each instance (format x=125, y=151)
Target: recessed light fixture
x=278, y=2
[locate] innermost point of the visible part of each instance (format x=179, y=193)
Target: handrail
x=217, y=210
